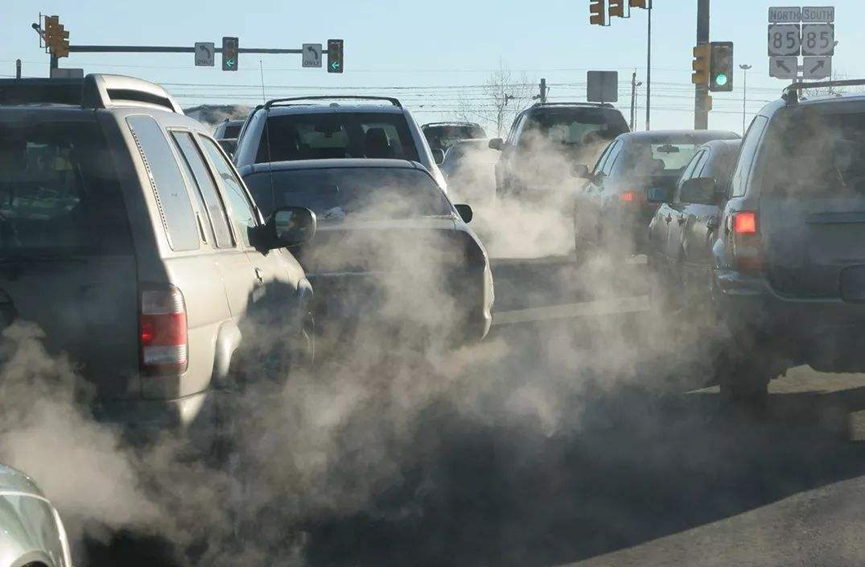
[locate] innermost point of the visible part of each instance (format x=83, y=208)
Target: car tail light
x=162, y=331
x=747, y=251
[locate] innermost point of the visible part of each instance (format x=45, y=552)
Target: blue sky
x=446, y=45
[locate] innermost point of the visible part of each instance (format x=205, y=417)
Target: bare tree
x=501, y=98
x=831, y=90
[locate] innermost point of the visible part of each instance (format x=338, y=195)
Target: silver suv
x=322, y=127
x=127, y=235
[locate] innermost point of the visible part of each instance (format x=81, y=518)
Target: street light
x=744, y=94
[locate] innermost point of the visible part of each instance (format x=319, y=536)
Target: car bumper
x=828, y=334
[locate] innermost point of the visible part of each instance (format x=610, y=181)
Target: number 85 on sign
x=784, y=40
x=818, y=39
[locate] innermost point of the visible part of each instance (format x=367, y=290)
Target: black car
x=638, y=170
x=546, y=140
x=443, y=135
x=789, y=247
x=680, y=234
x=390, y=246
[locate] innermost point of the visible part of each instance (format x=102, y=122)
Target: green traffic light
x=721, y=80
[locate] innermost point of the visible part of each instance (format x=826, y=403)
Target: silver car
x=31, y=532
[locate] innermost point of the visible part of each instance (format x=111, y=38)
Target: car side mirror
x=700, y=191
x=290, y=226
x=497, y=144
x=438, y=156
x=581, y=171
x=465, y=213
x=659, y=195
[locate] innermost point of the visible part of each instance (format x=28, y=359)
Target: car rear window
x=59, y=191
x=445, y=136
x=350, y=192
x=336, y=135
x=575, y=126
x=662, y=157
x=232, y=130
x=813, y=153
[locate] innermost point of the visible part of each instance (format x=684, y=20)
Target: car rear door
x=812, y=203
x=678, y=212
x=665, y=215
x=585, y=208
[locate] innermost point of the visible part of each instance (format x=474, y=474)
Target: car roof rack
x=605, y=104
x=94, y=91
x=296, y=99
x=451, y=123
x=791, y=93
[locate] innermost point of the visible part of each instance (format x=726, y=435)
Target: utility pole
x=744, y=94
x=701, y=92
x=17, y=68
x=634, y=85
x=543, y=94
x=649, y=72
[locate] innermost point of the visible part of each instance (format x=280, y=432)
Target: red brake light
x=629, y=196
x=162, y=330
x=745, y=222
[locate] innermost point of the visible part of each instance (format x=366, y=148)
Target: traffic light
x=721, y=74
x=639, y=4
x=702, y=54
x=598, y=11
x=335, y=55
x=617, y=8
x=56, y=38
x=230, y=49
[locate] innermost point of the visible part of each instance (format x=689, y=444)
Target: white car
x=31, y=532
x=340, y=127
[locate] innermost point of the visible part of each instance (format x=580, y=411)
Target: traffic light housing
x=335, y=55
x=230, y=51
x=617, y=9
x=598, y=13
x=721, y=67
x=639, y=4
x=702, y=55
x=56, y=37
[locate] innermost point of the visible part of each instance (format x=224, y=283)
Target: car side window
x=512, y=135
x=206, y=187
x=615, y=151
x=739, y=180
x=703, y=167
x=599, y=166
x=240, y=207
x=688, y=173
x=167, y=183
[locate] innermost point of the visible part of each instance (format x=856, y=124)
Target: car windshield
x=816, y=154
x=328, y=135
x=59, y=192
x=337, y=193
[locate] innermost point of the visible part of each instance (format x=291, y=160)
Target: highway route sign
x=818, y=39
x=784, y=67
x=817, y=67
x=785, y=15
x=822, y=14
x=311, y=55
x=784, y=40
x=204, y=54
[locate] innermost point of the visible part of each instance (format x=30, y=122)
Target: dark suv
x=546, y=140
x=127, y=235
x=789, y=248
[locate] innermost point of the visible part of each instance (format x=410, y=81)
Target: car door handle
x=682, y=219
x=259, y=274
x=668, y=218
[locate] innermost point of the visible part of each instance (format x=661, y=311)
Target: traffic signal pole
x=701, y=92
x=649, y=72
